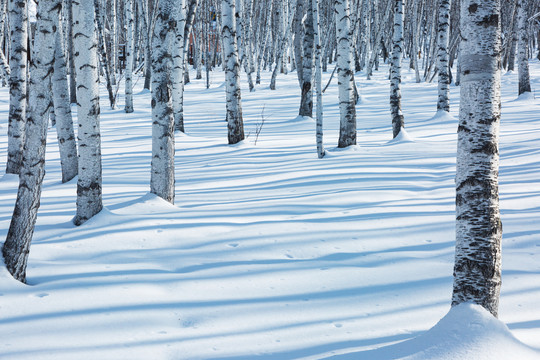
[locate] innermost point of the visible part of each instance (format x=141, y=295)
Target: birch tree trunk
x=347, y=108
x=17, y=245
x=162, y=175
x=71, y=56
x=306, y=99
x=3, y=61
x=103, y=53
x=129, y=56
x=443, y=103
x=477, y=269
x=395, y=69
x=177, y=74
x=17, y=84
x=318, y=78
x=523, y=42
x=89, y=197
x=62, y=108
x=232, y=68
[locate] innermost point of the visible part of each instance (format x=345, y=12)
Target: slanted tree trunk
x=443, y=103
x=477, y=269
x=347, y=108
x=17, y=84
x=395, y=69
x=62, y=109
x=129, y=56
x=232, y=68
x=162, y=175
x=318, y=78
x=89, y=194
x=523, y=43
x=17, y=245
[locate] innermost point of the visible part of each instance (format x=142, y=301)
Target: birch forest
x=65, y=63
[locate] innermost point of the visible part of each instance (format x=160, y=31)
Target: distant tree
x=102, y=50
x=128, y=6
x=477, y=269
x=523, y=46
x=18, y=27
x=17, y=245
x=89, y=193
x=232, y=76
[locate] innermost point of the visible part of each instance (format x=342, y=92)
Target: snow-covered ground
x=269, y=252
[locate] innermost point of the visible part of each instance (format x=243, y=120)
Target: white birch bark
x=244, y=35
x=283, y=43
x=62, y=109
x=71, y=57
x=395, y=69
x=103, y=54
x=443, y=103
x=162, y=167
x=18, y=29
x=232, y=68
x=318, y=78
x=523, y=42
x=177, y=73
x=114, y=43
x=347, y=108
x=477, y=269
x=89, y=196
x=17, y=245
x=4, y=66
x=129, y=56
x=306, y=96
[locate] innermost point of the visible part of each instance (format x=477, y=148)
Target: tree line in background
x=60, y=54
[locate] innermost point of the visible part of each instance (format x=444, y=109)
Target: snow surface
x=270, y=252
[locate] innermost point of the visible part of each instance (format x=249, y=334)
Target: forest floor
x=270, y=252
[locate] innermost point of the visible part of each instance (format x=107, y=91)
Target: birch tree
x=347, y=106
x=523, y=44
x=177, y=75
x=477, y=269
x=162, y=166
x=235, y=123
x=17, y=245
x=306, y=96
x=71, y=56
x=443, y=103
x=129, y=56
x=62, y=109
x=89, y=196
x=18, y=27
x=318, y=78
x=395, y=69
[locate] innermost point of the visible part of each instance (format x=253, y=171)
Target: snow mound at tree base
x=467, y=332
